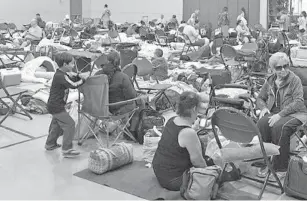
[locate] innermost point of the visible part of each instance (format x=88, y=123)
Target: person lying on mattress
x=281, y=101
x=120, y=87
x=180, y=148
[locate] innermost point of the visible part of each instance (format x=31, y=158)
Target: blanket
x=28, y=73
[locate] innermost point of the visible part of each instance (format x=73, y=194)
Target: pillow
x=247, y=153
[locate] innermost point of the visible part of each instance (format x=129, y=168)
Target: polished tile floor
x=29, y=172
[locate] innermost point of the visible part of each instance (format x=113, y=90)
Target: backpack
x=201, y=183
x=148, y=118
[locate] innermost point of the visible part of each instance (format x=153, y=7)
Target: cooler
x=10, y=76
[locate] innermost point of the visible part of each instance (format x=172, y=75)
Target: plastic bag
x=214, y=152
x=151, y=140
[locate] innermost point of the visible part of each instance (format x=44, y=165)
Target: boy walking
x=62, y=123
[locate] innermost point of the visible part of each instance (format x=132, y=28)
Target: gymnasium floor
x=29, y=172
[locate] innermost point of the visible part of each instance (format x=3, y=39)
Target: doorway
x=76, y=10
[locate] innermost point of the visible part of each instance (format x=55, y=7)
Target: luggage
x=296, y=178
x=10, y=76
x=200, y=183
x=148, y=118
x=106, y=159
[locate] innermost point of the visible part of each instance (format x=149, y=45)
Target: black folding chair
x=238, y=127
x=13, y=94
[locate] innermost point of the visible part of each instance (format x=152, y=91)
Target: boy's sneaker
x=51, y=148
x=71, y=153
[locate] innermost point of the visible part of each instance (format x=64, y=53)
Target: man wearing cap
x=282, y=108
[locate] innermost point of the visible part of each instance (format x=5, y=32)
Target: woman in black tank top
x=179, y=148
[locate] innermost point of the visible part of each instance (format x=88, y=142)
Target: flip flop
x=53, y=147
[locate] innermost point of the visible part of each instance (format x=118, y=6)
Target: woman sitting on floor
x=120, y=87
x=179, y=148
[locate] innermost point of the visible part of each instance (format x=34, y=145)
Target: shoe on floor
x=71, y=153
x=280, y=175
x=51, y=148
x=262, y=173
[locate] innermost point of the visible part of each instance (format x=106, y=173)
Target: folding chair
x=301, y=72
x=13, y=94
x=96, y=105
x=171, y=26
x=229, y=55
x=145, y=68
x=114, y=36
x=161, y=38
x=238, y=127
x=188, y=44
x=57, y=35
x=127, y=56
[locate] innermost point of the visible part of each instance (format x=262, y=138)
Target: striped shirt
x=59, y=90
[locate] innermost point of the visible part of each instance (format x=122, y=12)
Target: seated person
x=35, y=33
x=282, y=110
x=160, y=66
x=243, y=33
x=67, y=23
x=179, y=148
x=120, y=89
x=120, y=85
x=194, y=35
x=159, y=26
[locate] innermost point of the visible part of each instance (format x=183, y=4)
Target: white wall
x=22, y=11
x=264, y=13
x=304, y=5
x=133, y=10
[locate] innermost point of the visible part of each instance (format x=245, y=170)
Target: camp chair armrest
x=232, y=101
x=236, y=86
x=127, y=101
x=141, y=92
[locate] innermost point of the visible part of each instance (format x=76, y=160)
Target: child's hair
x=159, y=52
x=63, y=58
x=114, y=58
